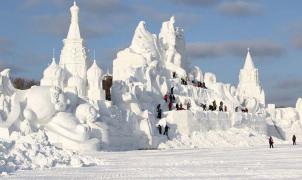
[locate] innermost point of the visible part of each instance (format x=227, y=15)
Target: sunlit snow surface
x=283, y=162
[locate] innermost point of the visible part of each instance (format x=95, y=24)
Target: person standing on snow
x=172, y=90
x=166, y=131
x=170, y=106
x=294, y=140
x=271, y=142
x=159, y=128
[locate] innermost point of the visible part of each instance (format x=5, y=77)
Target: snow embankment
x=35, y=152
x=219, y=138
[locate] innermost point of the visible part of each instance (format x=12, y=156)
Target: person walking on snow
x=159, y=129
x=166, y=131
x=172, y=90
x=294, y=140
x=166, y=98
x=170, y=106
x=271, y=142
x=158, y=107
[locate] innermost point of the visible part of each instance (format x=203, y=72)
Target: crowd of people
x=184, y=81
x=213, y=107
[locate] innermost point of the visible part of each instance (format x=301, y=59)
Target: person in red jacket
x=170, y=106
x=166, y=98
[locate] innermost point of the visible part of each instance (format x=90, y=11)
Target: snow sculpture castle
x=72, y=73
x=249, y=84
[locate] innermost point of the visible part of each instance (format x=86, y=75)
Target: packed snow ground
x=260, y=162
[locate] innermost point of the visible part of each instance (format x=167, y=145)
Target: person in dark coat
x=271, y=142
x=174, y=75
x=214, y=106
x=166, y=130
x=294, y=140
x=171, y=98
x=158, y=107
x=221, y=106
x=188, y=105
x=177, y=106
x=172, y=90
x=159, y=129
x=159, y=114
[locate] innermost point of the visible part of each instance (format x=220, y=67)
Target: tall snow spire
x=249, y=61
x=53, y=56
x=74, y=30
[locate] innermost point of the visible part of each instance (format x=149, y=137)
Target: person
x=158, y=107
x=180, y=107
x=188, y=105
x=170, y=97
x=170, y=106
x=221, y=106
x=294, y=140
x=166, y=130
x=177, y=106
x=236, y=109
x=173, y=98
x=174, y=75
x=166, y=98
x=159, y=114
x=172, y=90
x=225, y=108
x=204, y=107
x=271, y=142
x=214, y=106
x=159, y=129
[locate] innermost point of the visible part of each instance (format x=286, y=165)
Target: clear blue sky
x=217, y=33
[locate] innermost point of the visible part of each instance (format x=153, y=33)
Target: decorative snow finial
x=53, y=62
x=249, y=64
x=53, y=53
x=94, y=54
x=172, y=19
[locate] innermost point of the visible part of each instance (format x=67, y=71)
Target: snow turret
x=249, y=85
x=73, y=55
x=94, y=72
x=94, y=77
x=53, y=75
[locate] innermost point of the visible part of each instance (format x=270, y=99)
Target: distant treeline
x=22, y=83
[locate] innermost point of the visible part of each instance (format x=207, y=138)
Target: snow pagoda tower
x=249, y=84
x=75, y=73
x=73, y=55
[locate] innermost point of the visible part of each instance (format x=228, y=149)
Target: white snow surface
x=282, y=162
x=34, y=151
x=211, y=139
